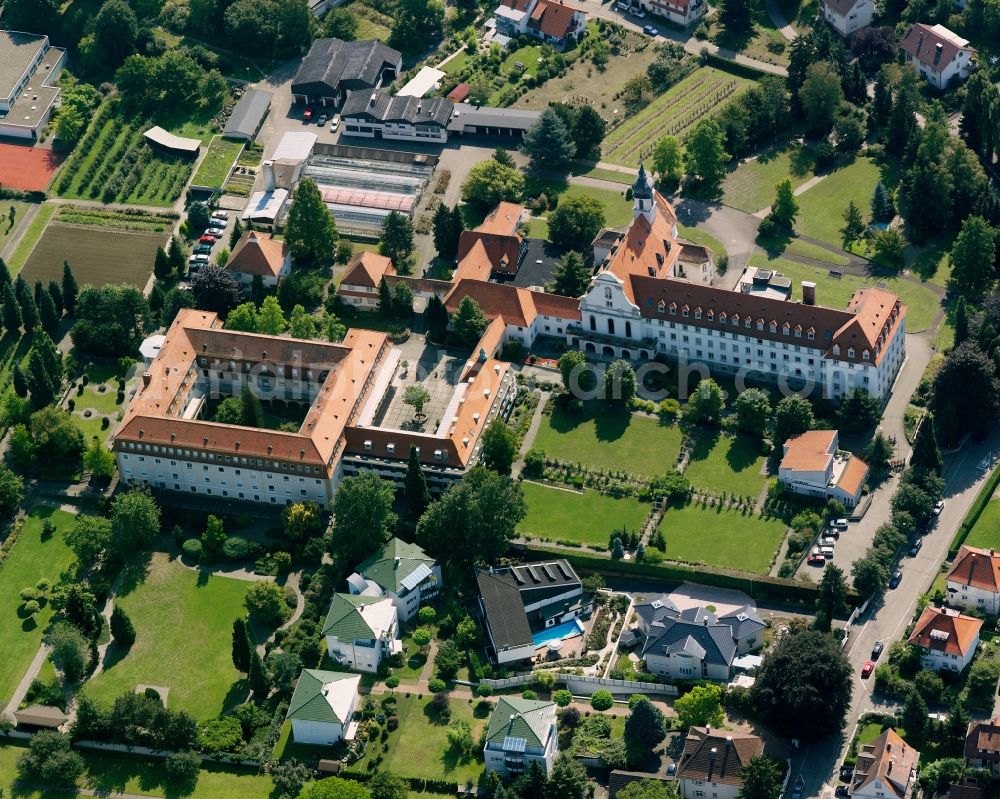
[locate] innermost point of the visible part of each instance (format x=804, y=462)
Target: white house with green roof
x=322, y=707
x=521, y=731
x=361, y=630
x=403, y=572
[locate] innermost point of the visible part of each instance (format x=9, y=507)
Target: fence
x=582, y=684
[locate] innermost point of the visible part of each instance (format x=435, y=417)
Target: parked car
x=826, y=551
x=867, y=669
x=816, y=559
x=841, y=791
x=638, y=12
x=916, y=547
x=307, y=115
x=800, y=786
x=877, y=650
x=833, y=531
x=620, y=7
x=649, y=30
x=938, y=507
x=218, y=232
x=335, y=123
x=894, y=581
x=840, y=524
x=829, y=541
x=208, y=238
x=322, y=120
x=671, y=769
x=222, y=216
x=203, y=249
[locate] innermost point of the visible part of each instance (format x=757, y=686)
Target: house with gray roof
x=654, y=610
x=748, y=628
x=361, y=630
x=400, y=571
x=247, y=117
x=333, y=67
x=521, y=732
x=693, y=645
x=712, y=761
x=378, y=115
x=322, y=707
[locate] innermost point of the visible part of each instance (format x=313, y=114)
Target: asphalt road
x=888, y=616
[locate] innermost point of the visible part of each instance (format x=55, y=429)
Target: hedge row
x=732, y=67
x=975, y=511
x=757, y=586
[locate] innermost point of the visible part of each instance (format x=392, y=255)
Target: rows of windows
x=211, y=456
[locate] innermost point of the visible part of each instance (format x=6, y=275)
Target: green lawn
x=183, y=621
x=604, y=437
x=215, y=166
x=617, y=210
x=986, y=532
x=726, y=463
x=610, y=175
x=456, y=64
x=721, y=538
x=923, y=305
x=413, y=660
x=699, y=236
x=29, y=561
x=92, y=426
x=528, y=57
x=7, y=229
x=750, y=187
x=419, y=747
x=588, y=517
x=108, y=773
x=821, y=208
x=101, y=401
x=31, y=237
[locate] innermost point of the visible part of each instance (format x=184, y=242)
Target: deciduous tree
x=575, y=224
x=362, y=510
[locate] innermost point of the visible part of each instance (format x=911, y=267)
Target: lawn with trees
x=985, y=532
x=35, y=555
x=750, y=187
x=587, y=517
x=822, y=206
x=173, y=609
x=725, y=538
x=724, y=463
x=609, y=437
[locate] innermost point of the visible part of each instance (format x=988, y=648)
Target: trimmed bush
x=192, y=549
x=236, y=548
x=436, y=686
x=601, y=700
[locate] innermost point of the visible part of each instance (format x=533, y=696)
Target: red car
x=816, y=560
x=867, y=669
x=307, y=115
x=206, y=239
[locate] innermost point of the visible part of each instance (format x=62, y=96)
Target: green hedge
x=734, y=68
x=975, y=511
x=757, y=586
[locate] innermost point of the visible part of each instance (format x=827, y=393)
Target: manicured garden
x=986, y=531
x=183, y=621
x=750, y=187
x=218, y=160
x=725, y=538
x=673, y=113
x=419, y=747
x=586, y=517
x=730, y=464
x=609, y=437
x=836, y=292
x=33, y=557
x=110, y=773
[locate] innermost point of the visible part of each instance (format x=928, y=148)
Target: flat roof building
x=248, y=115
x=28, y=70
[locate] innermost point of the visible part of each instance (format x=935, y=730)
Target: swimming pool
x=565, y=630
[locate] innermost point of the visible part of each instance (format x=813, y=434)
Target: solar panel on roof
x=512, y=744
x=415, y=577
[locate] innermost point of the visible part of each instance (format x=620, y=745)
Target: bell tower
x=642, y=196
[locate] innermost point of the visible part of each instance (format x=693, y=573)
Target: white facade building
x=361, y=630
x=938, y=55
x=521, y=732
x=322, y=707
x=947, y=640
x=402, y=572
x=812, y=465
x=973, y=581
x=847, y=16
x=711, y=762
x=680, y=12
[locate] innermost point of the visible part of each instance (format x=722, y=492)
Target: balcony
x=607, y=338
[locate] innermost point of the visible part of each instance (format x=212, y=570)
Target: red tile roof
x=367, y=269
x=944, y=630
x=459, y=93
x=516, y=305
x=553, y=19
x=258, y=254
x=810, y=451
x=889, y=759
x=975, y=567
x=982, y=742
x=853, y=476
x=717, y=756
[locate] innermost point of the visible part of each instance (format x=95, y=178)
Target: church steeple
x=642, y=196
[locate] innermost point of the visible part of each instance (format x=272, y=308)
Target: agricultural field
x=724, y=538
x=98, y=255
x=836, y=291
x=172, y=608
x=215, y=166
x=606, y=437
x=586, y=517
x=673, y=113
x=131, y=219
x=31, y=236
x=113, y=163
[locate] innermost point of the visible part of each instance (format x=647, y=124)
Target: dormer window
x=850, y=352
x=772, y=327
x=710, y=314
x=661, y=306
x=865, y=355
x=673, y=309
x=697, y=313
x=798, y=331
x=810, y=334
x=684, y=311
x=785, y=329
x=722, y=318
x=760, y=324
x=836, y=349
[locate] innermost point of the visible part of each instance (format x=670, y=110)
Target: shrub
x=192, y=549
x=236, y=548
x=601, y=700
x=436, y=686
x=43, y=585
x=529, y=694
x=182, y=768
x=427, y=615
x=562, y=697
x=484, y=690
x=31, y=607
x=392, y=682
x=29, y=594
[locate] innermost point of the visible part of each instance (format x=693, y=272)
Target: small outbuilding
x=168, y=142
x=46, y=716
x=248, y=115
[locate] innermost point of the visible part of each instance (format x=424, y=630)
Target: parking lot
x=219, y=242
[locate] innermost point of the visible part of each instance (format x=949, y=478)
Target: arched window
x=607, y=293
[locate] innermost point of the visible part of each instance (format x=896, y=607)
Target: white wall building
x=29, y=86
x=938, y=55
x=887, y=767
x=361, y=630
x=847, y=16
x=402, y=572
x=680, y=12
x=812, y=465
x=973, y=581
x=322, y=707
x=711, y=762
x=947, y=640
x=521, y=732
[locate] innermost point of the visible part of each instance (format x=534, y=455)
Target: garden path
x=782, y=24
x=529, y=436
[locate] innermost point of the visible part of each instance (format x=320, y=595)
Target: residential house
x=680, y=12
x=711, y=762
x=654, y=610
x=362, y=276
x=937, y=54
x=550, y=21
x=691, y=646
x=847, y=16
x=493, y=249
x=747, y=628
x=812, y=465
x=259, y=255
x=982, y=746
x=887, y=767
x=517, y=601
x=973, y=581
x=375, y=114
x=947, y=639
x=361, y=630
x=521, y=732
x=322, y=707
x=333, y=67
x=402, y=572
